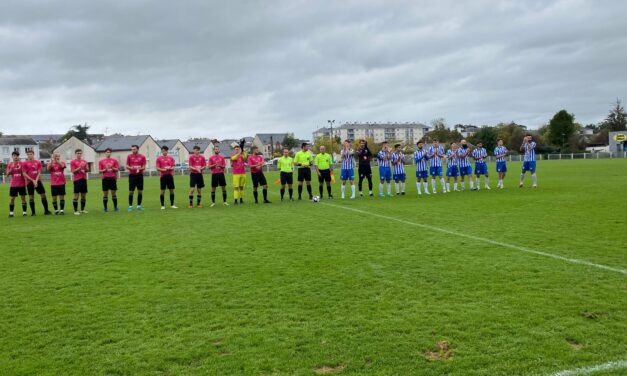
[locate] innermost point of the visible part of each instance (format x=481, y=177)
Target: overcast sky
x=234, y=68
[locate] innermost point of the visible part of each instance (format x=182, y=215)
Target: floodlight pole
x=332, y=137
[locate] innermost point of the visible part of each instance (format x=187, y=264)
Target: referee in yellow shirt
x=286, y=166
x=304, y=159
x=324, y=167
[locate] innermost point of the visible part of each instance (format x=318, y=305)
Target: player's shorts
x=239, y=180
x=198, y=180
x=258, y=179
x=304, y=174
x=30, y=188
x=347, y=174
x=287, y=178
x=57, y=190
x=452, y=171
x=385, y=174
x=501, y=166
x=467, y=170
x=364, y=171
x=435, y=171
x=109, y=184
x=136, y=182
x=481, y=169
x=17, y=191
x=166, y=182
x=529, y=166
x=400, y=177
x=218, y=180
x=325, y=175
x=422, y=174
x=80, y=186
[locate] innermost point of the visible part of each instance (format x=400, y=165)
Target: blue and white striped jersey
x=435, y=155
x=453, y=157
x=347, y=159
x=398, y=160
x=463, y=157
x=530, y=151
x=500, y=150
x=480, y=154
x=420, y=158
x=384, y=158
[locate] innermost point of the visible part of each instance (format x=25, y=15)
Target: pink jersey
x=219, y=163
x=31, y=168
x=197, y=161
x=15, y=171
x=254, y=160
x=136, y=162
x=57, y=177
x=165, y=162
x=239, y=165
x=82, y=173
x=109, y=166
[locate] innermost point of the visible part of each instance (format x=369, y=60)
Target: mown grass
x=290, y=288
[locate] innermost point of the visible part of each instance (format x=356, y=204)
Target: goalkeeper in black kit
x=363, y=156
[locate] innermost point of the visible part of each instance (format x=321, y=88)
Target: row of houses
x=268, y=143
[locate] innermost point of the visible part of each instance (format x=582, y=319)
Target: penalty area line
x=485, y=240
x=609, y=366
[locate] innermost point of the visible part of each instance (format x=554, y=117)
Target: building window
x=5, y=150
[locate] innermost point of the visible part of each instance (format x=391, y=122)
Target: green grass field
x=342, y=287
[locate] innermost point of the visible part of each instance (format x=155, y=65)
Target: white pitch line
x=609, y=366
x=485, y=240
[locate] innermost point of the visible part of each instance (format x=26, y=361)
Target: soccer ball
x=315, y=199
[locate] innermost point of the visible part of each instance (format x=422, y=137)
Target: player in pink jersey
x=57, y=183
x=165, y=165
x=255, y=163
x=32, y=172
x=108, y=168
x=79, y=168
x=135, y=165
x=18, y=183
x=217, y=164
x=197, y=163
x=238, y=164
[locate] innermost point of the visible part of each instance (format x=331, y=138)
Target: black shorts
x=30, y=188
x=80, y=186
x=325, y=175
x=197, y=180
x=17, y=191
x=304, y=174
x=57, y=190
x=218, y=179
x=109, y=184
x=135, y=182
x=364, y=171
x=167, y=182
x=287, y=178
x=258, y=179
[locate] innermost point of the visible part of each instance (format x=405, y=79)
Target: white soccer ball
x=315, y=199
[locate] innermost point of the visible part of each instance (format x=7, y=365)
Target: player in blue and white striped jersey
x=435, y=155
x=385, y=174
x=529, y=162
x=500, y=152
x=465, y=169
x=422, y=165
x=398, y=162
x=452, y=167
x=348, y=168
x=481, y=167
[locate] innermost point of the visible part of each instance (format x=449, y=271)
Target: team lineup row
x=26, y=175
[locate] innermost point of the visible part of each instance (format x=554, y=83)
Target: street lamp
x=332, y=137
